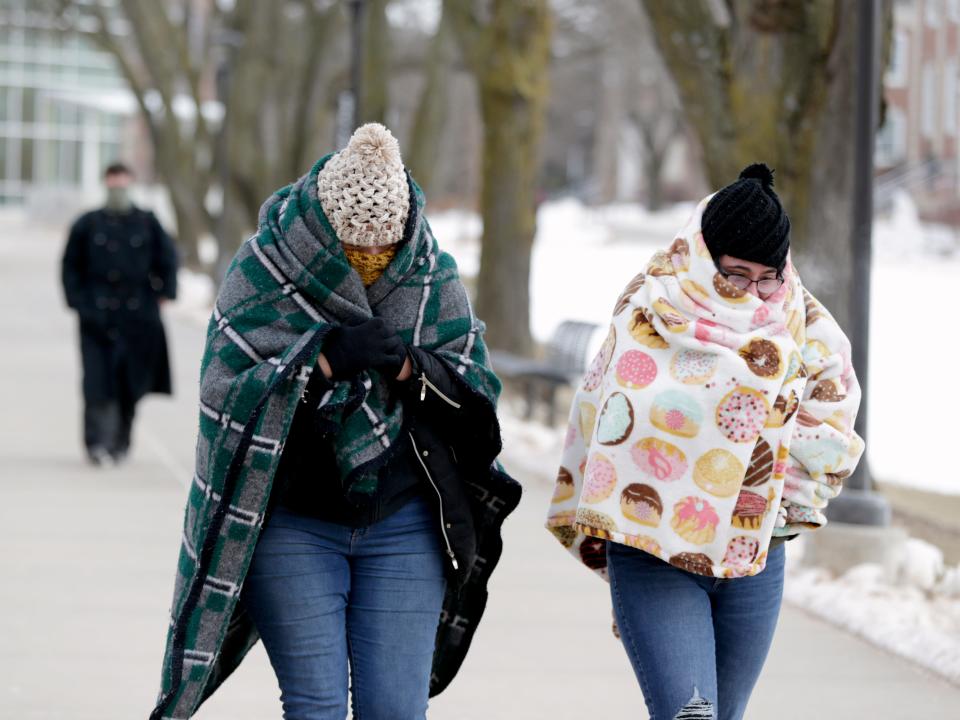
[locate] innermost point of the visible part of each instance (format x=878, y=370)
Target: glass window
x=3, y=157
x=929, y=101
x=892, y=138
x=26, y=159
x=28, y=111
x=899, y=60
x=71, y=162
x=950, y=97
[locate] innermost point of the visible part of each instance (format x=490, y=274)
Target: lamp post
x=858, y=504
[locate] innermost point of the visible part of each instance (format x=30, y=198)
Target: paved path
x=87, y=560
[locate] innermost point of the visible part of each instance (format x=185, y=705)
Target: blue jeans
x=322, y=595
x=697, y=644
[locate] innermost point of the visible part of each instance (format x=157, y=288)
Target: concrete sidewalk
x=88, y=558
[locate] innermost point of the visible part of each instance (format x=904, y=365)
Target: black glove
x=351, y=349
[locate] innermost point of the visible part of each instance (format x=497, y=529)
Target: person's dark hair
x=117, y=168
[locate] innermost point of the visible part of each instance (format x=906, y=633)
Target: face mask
x=118, y=198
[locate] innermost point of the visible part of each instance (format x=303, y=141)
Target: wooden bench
x=563, y=365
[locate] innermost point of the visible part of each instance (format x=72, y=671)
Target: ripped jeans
x=697, y=644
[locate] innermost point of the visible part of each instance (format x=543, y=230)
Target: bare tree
x=274, y=119
x=375, y=68
x=773, y=81
x=433, y=107
x=506, y=46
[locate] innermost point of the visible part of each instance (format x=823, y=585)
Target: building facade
x=918, y=149
x=64, y=108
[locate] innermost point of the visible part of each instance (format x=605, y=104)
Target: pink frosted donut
x=741, y=551
x=659, y=459
x=636, y=369
x=600, y=479
x=597, y=369
x=693, y=367
x=742, y=414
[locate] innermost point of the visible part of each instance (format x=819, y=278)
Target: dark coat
x=115, y=268
x=444, y=424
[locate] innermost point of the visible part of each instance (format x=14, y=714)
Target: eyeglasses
x=765, y=286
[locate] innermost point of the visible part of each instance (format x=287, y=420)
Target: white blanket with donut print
x=709, y=421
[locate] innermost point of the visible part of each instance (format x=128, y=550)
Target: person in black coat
x=118, y=267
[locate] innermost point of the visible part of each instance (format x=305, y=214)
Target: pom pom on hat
x=746, y=220
x=758, y=171
x=363, y=189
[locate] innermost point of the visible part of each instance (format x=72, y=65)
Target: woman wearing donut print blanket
x=715, y=422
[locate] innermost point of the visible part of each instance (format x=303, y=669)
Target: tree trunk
x=653, y=174
x=374, y=86
x=773, y=82
x=508, y=206
x=509, y=55
x=431, y=115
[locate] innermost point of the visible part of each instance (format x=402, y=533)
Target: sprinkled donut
x=698, y=563
x=827, y=391
x=596, y=520
x=742, y=414
x=693, y=367
x=599, y=481
x=728, y=291
x=741, y=551
x=636, y=370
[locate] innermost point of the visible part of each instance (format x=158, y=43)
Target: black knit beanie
x=746, y=220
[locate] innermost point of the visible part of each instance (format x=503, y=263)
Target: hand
x=351, y=349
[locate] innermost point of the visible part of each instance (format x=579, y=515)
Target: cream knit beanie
x=363, y=189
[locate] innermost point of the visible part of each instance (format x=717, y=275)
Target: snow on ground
x=921, y=624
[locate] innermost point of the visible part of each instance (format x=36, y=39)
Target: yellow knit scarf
x=369, y=267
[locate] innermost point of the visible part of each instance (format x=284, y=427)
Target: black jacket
x=115, y=268
x=450, y=440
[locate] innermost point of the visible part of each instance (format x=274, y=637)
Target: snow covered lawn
x=915, y=615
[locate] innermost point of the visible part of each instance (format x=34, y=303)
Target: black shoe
x=119, y=456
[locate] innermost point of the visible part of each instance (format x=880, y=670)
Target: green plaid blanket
x=286, y=287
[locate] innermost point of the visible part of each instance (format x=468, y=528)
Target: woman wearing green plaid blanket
x=347, y=503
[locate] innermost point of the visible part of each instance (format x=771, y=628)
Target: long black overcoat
x=115, y=268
